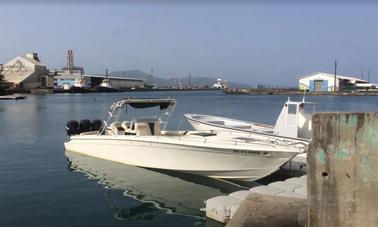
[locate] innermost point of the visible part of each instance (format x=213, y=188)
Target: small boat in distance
x=105, y=85
x=293, y=123
x=141, y=142
x=79, y=87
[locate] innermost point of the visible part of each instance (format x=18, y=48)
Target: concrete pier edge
x=343, y=170
x=269, y=211
x=342, y=179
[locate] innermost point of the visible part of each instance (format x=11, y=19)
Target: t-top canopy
x=147, y=103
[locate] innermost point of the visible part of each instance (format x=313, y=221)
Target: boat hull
x=227, y=163
x=106, y=89
x=75, y=89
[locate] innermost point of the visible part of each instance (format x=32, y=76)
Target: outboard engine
x=84, y=126
x=72, y=128
x=96, y=125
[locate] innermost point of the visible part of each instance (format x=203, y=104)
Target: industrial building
x=325, y=82
x=68, y=78
x=116, y=82
x=27, y=72
x=73, y=75
x=69, y=75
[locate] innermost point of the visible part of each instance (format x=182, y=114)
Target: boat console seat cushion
x=116, y=129
x=126, y=125
x=112, y=130
x=157, y=130
x=148, y=128
x=143, y=129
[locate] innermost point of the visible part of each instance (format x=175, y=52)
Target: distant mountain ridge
x=165, y=82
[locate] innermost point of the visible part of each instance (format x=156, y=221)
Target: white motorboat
x=79, y=87
x=293, y=123
x=105, y=85
x=141, y=142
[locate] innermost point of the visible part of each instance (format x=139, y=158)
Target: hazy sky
x=250, y=43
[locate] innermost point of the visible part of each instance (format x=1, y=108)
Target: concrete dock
x=236, y=205
x=12, y=97
x=339, y=190
x=343, y=170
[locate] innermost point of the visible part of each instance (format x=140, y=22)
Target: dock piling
x=269, y=211
x=343, y=170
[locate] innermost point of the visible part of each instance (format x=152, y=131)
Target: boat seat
x=147, y=128
x=126, y=125
x=157, y=129
x=112, y=130
x=116, y=129
x=142, y=129
x=129, y=128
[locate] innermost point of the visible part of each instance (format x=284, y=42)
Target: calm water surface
x=41, y=185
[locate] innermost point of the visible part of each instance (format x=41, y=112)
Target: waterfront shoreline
x=231, y=91
x=58, y=91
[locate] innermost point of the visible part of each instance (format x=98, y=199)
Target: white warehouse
x=26, y=72
x=323, y=82
x=116, y=82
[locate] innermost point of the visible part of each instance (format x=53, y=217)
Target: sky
x=252, y=43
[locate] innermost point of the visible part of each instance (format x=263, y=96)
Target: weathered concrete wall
x=270, y=211
x=343, y=170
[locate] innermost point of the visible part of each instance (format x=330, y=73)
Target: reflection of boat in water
x=184, y=195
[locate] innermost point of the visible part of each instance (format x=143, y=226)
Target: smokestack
x=70, y=62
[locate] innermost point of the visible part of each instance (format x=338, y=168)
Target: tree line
x=2, y=82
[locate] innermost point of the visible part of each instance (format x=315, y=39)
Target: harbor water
x=42, y=185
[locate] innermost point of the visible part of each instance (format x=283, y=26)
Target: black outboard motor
x=96, y=125
x=84, y=126
x=72, y=128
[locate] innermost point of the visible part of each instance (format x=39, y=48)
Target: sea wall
x=343, y=170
